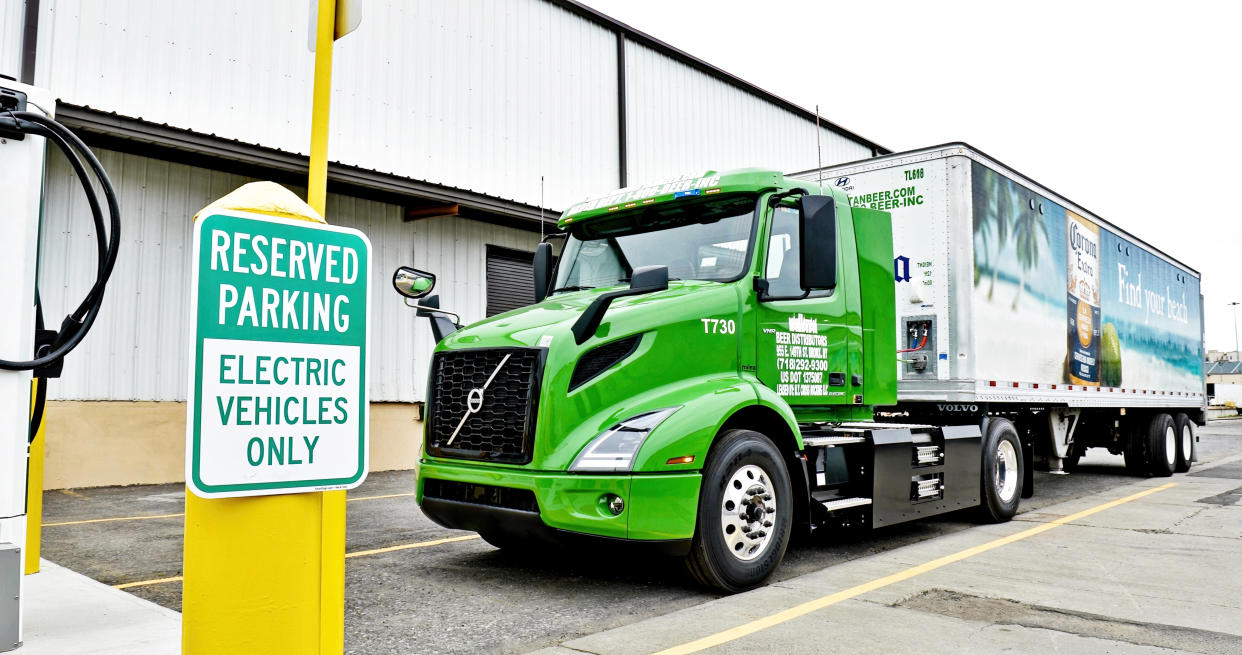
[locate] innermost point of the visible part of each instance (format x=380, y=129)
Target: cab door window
x=783, y=268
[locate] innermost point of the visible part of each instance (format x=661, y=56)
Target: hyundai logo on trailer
x=842, y=181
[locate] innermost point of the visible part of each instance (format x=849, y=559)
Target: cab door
x=804, y=337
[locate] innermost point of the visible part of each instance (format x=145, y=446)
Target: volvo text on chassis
x=701, y=373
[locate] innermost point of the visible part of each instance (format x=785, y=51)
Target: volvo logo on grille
x=474, y=400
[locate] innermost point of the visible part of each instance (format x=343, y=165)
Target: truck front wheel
x=1001, y=471
x=745, y=513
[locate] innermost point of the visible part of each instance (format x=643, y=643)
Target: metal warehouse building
x=459, y=130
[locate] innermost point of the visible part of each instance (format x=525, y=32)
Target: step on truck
x=718, y=362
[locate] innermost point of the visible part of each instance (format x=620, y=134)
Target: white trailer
x=1016, y=303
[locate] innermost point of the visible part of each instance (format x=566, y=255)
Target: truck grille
x=501, y=427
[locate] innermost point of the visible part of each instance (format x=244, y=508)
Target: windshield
x=705, y=241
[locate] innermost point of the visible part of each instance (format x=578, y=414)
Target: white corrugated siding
x=11, y=14
x=137, y=349
x=485, y=96
x=682, y=120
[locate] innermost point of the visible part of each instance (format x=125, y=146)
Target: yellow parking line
x=359, y=553
x=179, y=514
x=143, y=583
x=796, y=611
x=116, y=518
x=421, y=544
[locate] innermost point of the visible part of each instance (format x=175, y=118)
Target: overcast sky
x=1129, y=109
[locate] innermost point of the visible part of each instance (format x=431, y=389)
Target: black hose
x=75, y=326
x=96, y=213
x=40, y=397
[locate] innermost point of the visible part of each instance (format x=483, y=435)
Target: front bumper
x=658, y=507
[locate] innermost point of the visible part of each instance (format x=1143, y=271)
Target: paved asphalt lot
x=430, y=595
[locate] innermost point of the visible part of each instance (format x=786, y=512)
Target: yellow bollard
x=34, y=490
x=264, y=574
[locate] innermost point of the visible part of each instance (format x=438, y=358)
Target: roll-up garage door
x=510, y=279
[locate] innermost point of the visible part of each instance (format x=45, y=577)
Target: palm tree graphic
x=1000, y=209
x=1028, y=228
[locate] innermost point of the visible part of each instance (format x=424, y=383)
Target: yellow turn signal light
x=684, y=459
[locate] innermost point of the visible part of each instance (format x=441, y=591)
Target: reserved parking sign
x=278, y=398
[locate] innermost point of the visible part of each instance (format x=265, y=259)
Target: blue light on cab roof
x=691, y=192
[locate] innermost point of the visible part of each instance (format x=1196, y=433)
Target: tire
x=1161, y=446
x=1001, y=472
x=1135, y=452
x=1185, y=429
x=743, y=467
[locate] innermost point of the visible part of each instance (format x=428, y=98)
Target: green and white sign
x=278, y=399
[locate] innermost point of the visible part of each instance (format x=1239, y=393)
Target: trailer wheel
x=1161, y=446
x=1001, y=472
x=745, y=513
x=1185, y=429
x=1136, y=449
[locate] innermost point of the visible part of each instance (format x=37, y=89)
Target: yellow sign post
x=267, y=574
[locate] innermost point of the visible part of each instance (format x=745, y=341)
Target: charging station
x=21, y=170
x=27, y=350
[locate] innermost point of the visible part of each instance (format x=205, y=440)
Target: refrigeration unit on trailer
x=1016, y=302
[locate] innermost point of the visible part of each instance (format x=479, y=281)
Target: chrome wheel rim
x=1188, y=442
x=748, y=512
x=1170, y=445
x=1006, y=476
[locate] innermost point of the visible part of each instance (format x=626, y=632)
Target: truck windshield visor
x=706, y=240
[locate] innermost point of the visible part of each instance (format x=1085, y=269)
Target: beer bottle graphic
x=1083, y=300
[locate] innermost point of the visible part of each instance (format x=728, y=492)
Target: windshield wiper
x=576, y=287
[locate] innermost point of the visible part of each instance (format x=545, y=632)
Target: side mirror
x=649, y=278
x=413, y=283
x=817, y=227
x=441, y=325
x=543, y=270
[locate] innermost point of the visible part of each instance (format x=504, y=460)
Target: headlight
x=614, y=450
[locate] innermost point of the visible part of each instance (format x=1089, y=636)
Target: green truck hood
x=555, y=316
x=657, y=374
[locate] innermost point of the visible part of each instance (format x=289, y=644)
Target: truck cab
x=692, y=378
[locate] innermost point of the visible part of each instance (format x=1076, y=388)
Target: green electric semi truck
x=718, y=362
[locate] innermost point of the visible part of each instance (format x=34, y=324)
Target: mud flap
x=1028, y=471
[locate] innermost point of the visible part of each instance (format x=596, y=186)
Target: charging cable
x=51, y=347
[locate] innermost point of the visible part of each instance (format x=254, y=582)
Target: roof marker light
x=691, y=192
x=711, y=191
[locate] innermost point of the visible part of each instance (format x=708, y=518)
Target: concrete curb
x=68, y=613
